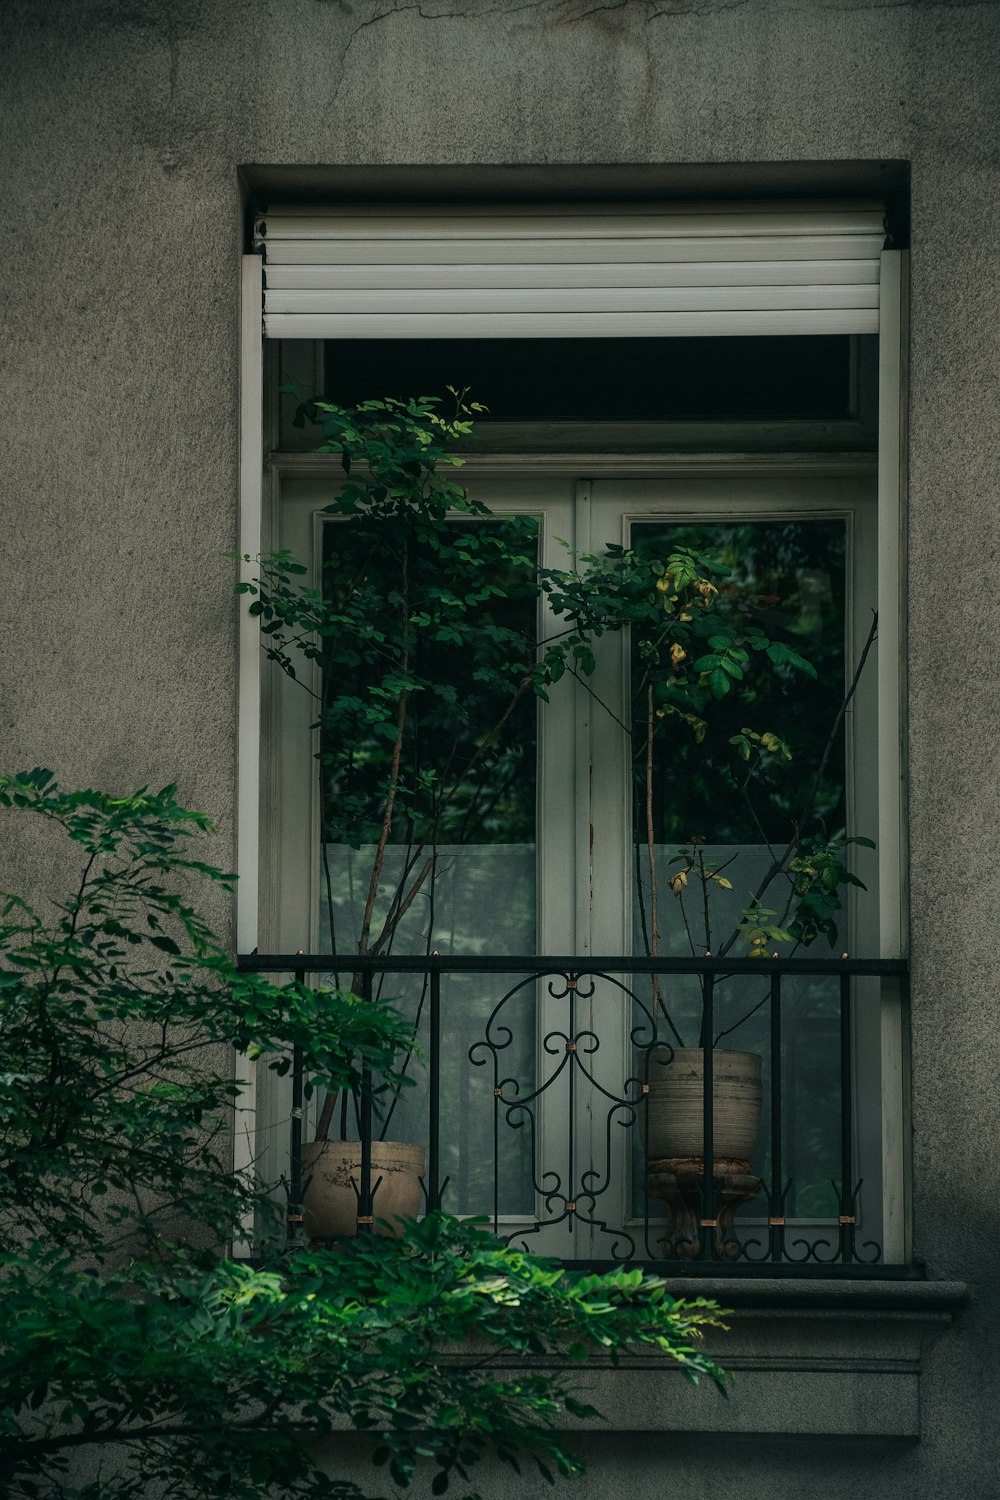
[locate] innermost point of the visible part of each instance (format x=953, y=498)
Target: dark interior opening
x=803, y=377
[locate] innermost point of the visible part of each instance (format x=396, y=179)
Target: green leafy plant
x=126, y=1339
x=697, y=647
x=426, y=657
x=108, y=1099
x=420, y=647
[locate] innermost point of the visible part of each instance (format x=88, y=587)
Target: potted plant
x=421, y=636
x=709, y=651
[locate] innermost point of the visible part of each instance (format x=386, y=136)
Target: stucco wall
x=123, y=129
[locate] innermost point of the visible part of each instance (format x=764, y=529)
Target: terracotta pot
x=330, y=1204
x=676, y=1110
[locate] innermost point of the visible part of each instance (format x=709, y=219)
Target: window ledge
x=847, y=1294
x=809, y=1359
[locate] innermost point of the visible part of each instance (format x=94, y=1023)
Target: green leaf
x=783, y=655
x=166, y=943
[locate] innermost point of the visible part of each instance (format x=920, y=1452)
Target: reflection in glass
x=730, y=826
x=458, y=874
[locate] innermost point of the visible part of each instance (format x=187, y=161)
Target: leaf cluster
x=177, y=1371
x=111, y=1112
x=422, y=624
x=218, y=1379
x=693, y=635
x=820, y=874
x=696, y=642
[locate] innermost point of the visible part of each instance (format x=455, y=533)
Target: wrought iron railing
x=695, y=1214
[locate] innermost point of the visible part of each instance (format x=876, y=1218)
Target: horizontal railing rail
x=697, y=1221
x=457, y=963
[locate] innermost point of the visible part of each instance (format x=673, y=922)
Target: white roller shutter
x=569, y=272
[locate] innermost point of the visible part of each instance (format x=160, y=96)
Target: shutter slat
x=658, y=225
x=640, y=274
x=599, y=301
x=470, y=252
x=549, y=272
x=571, y=325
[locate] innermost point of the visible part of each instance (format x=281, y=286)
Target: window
x=568, y=852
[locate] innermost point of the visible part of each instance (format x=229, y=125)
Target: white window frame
x=256, y=795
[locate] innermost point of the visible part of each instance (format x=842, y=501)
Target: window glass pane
x=726, y=815
x=460, y=859
x=787, y=577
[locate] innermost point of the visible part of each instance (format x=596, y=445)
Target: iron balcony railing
x=699, y=1215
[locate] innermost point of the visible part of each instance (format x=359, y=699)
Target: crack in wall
x=502, y=9
x=712, y=7
x=561, y=13
x=387, y=15
x=680, y=8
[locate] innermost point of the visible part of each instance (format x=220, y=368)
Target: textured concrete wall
x=123, y=126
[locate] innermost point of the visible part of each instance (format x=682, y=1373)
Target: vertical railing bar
x=777, y=1204
x=295, y=1209
x=496, y=1142
x=434, y=1096
x=708, y=1101
x=846, y=1124
x=644, y=1139
x=365, y=1217
x=573, y=980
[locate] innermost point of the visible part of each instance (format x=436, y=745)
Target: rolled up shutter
x=569, y=272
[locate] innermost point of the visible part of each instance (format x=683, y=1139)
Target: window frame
x=260, y=492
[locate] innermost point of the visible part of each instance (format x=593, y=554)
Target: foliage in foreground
x=112, y=1122
x=183, y=1374
x=218, y=1377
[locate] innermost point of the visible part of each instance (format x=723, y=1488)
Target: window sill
x=820, y=1358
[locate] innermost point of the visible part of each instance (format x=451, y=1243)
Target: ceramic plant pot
x=330, y=1203
x=674, y=1131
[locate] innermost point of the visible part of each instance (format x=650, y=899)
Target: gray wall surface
x=124, y=126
